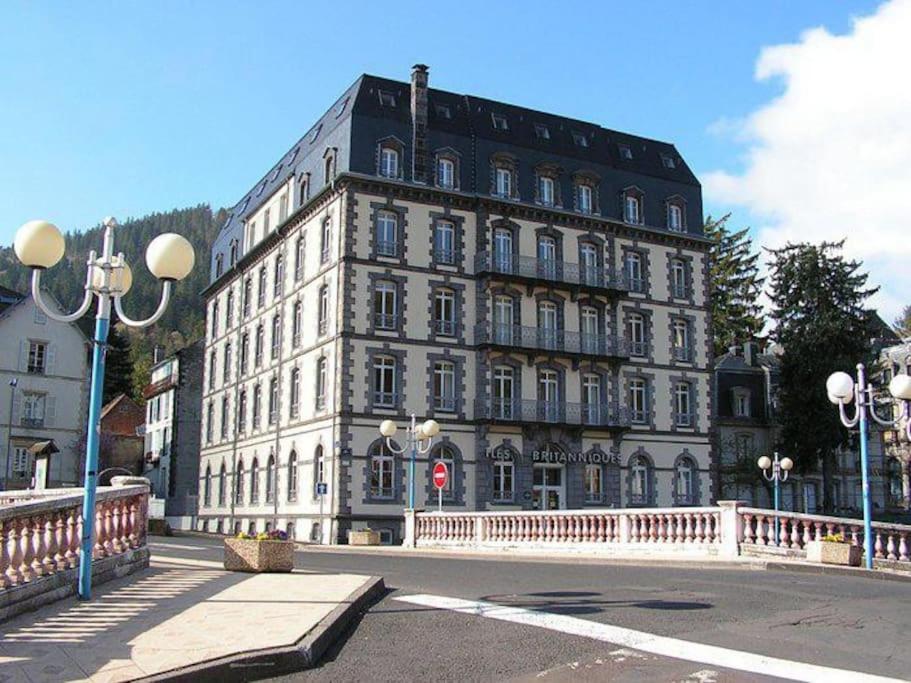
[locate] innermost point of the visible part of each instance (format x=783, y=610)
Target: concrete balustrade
x=40, y=542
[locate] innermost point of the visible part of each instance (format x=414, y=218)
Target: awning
x=43, y=448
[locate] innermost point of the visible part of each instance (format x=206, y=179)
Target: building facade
x=173, y=398
x=43, y=393
x=895, y=359
x=120, y=449
x=534, y=283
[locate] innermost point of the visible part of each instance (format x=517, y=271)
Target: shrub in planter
x=266, y=552
x=833, y=549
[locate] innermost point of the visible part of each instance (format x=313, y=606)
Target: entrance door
x=547, y=489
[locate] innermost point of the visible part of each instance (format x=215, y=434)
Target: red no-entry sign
x=440, y=475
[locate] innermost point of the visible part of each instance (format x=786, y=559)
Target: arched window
x=446, y=455
x=261, y=295
x=319, y=472
x=219, y=265
x=685, y=474
x=254, y=481
x=258, y=344
x=325, y=240
x=387, y=227
x=229, y=309
x=276, y=335
x=297, y=321
x=444, y=313
x=640, y=480
x=270, y=479
x=222, y=485
x=327, y=170
x=279, y=276
x=382, y=472
x=679, y=279
x=239, y=484
x=207, y=487
x=385, y=305
x=233, y=259
x=299, y=258
x=295, y=393
x=247, y=296
x=676, y=214
x=446, y=172
x=321, y=382
x=389, y=162
x=292, y=477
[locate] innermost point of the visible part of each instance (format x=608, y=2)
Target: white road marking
x=164, y=545
x=712, y=655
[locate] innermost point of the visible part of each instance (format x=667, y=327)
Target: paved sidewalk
x=182, y=613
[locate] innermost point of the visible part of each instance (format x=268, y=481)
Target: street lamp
x=40, y=245
x=775, y=471
x=417, y=436
x=842, y=389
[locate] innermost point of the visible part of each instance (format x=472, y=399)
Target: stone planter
x=364, y=537
x=827, y=552
x=247, y=555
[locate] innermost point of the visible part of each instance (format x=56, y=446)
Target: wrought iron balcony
x=551, y=412
x=683, y=354
x=546, y=270
x=559, y=341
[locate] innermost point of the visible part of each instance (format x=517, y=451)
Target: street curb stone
x=304, y=654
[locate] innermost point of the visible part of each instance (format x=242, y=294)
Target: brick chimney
x=419, y=160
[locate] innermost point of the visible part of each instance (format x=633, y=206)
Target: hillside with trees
x=130, y=353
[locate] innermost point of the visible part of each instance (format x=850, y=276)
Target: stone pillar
x=410, y=540
x=419, y=156
x=731, y=528
x=623, y=528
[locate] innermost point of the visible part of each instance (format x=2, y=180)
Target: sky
x=796, y=116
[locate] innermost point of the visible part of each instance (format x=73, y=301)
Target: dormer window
x=632, y=206
x=499, y=122
x=389, y=162
x=584, y=194
x=233, y=253
x=219, y=265
x=546, y=190
x=445, y=172
x=580, y=139
x=674, y=218
x=341, y=107
x=443, y=111
x=625, y=151
x=542, y=131
x=668, y=161
x=504, y=182
x=315, y=133
x=741, y=402
x=387, y=99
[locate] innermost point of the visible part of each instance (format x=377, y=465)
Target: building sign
x=555, y=457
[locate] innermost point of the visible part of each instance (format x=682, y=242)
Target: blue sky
x=126, y=108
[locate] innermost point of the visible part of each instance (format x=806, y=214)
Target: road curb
x=304, y=654
x=834, y=570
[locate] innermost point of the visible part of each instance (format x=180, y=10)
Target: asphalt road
x=844, y=622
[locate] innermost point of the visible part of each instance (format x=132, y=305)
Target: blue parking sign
x=321, y=488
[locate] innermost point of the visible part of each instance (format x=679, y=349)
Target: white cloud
x=831, y=156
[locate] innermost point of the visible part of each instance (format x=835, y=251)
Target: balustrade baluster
x=108, y=528
x=830, y=528
x=117, y=527
x=878, y=545
x=602, y=529
x=633, y=523
x=50, y=544
x=818, y=534
x=652, y=529
x=662, y=530
x=135, y=513
x=28, y=553
x=698, y=529
x=795, y=534
x=60, y=541
x=890, y=546
x=5, y=580
x=807, y=533
x=688, y=528
x=903, y=548
x=762, y=530
x=784, y=535
x=855, y=535
x=749, y=535
x=39, y=544
x=15, y=552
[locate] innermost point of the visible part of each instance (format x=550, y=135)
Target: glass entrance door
x=547, y=488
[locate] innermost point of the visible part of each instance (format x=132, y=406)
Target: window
x=594, y=484
x=270, y=479
x=222, y=485
x=384, y=384
x=632, y=208
x=674, y=217
x=244, y=352
x=504, y=182
x=229, y=309
x=446, y=456
x=579, y=139
x=638, y=392
x=262, y=287
x=212, y=368
x=444, y=386
x=323, y=314
x=625, y=151
x=321, y=375
x=542, y=131
x=548, y=395
x=251, y=235
x=445, y=173
x=548, y=323
x=503, y=319
x=387, y=99
x=219, y=265
x=679, y=285
x=499, y=122
x=443, y=111
x=894, y=478
x=266, y=219
x=295, y=393
x=547, y=257
x=239, y=484
x=278, y=283
x=37, y=358
x=247, y=296
x=590, y=262
x=640, y=481
x=299, y=258
x=210, y=422
x=257, y=404
x=282, y=208
x=503, y=393
x=207, y=487
x=214, y=320
x=584, y=195
x=590, y=330
x=327, y=169
x=389, y=162
x=636, y=332
x=273, y=401
x=225, y=427
x=503, y=478
x=682, y=350
x=682, y=404
x=741, y=402
x=382, y=464
x=325, y=240
x=444, y=312
x=634, y=272
x=668, y=161
x=292, y=477
x=385, y=306
x=254, y=482
x=591, y=398
x=444, y=243
x=386, y=233
x=276, y=335
x=226, y=370
x=685, y=491
x=242, y=411
x=546, y=190
x=297, y=320
x=502, y=250
x=33, y=409
x=233, y=253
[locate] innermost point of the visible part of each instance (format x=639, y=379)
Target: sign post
x=440, y=477
x=321, y=489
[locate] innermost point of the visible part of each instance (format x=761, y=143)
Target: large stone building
x=43, y=394
x=537, y=284
x=895, y=359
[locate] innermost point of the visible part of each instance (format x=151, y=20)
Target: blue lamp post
x=40, y=245
x=775, y=471
x=842, y=390
x=419, y=440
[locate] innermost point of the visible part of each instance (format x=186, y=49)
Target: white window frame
x=594, y=483
x=385, y=305
x=444, y=242
x=445, y=173
x=387, y=230
x=638, y=400
x=444, y=386
x=389, y=162
x=384, y=382
x=504, y=181
x=585, y=194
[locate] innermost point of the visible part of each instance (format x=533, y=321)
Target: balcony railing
x=682, y=353
x=32, y=422
x=444, y=403
x=444, y=327
x=385, y=321
x=551, y=412
x=444, y=257
x=531, y=268
x=545, y=339
x=387, y=248
x=385, y=399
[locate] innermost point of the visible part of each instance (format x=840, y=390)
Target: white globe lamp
x=39, y=244
x=765, y=462
x=388, y=428
x=170, y=257
x=900, y=387
x=430, y=428
x=840, y=387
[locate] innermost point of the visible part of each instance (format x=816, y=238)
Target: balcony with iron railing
x=386, y=321
x=387, y=248
x=550, y=340
x=535, y=270
x=551, y=412
x=682, y=354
